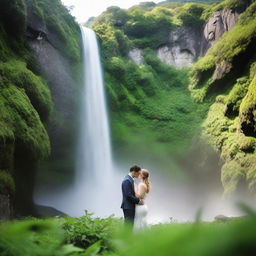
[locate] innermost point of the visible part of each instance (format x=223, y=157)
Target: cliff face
x=220, y=22
x=186, y=43
x=37, y=94
x=228, y=72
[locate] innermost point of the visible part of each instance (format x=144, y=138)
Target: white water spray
x=94, y=160
x=96, y=188
x=94, y=174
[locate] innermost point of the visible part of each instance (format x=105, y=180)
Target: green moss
x=144, y=27
x=249, y=15
x=239, y=5
x=107, y=36
x=190, y=15
x=7, y=186
x=16, y=73
x=22, y=121
x=150, y=103
x=25, y=102
x=237, y=151
x=59, y=21
x=148, y=108
x=236, y=95
x=249, y=101
x=231, y=45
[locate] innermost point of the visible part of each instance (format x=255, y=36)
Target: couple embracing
x=133, y=204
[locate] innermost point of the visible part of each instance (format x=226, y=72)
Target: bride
x=141, y=211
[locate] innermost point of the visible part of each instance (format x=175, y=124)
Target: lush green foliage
x=25, y=99
x=144, y=25
x=47, y=237
x=230, y=124
x=222, y=54
x=196, y=1
x=22, y=93
x=239, y=5
x=149, y=108
x=85, y=231
x=58, y=237
x=150, y=103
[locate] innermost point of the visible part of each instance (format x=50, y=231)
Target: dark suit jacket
x=129, y=198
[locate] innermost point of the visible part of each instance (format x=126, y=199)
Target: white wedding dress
x=140, y=220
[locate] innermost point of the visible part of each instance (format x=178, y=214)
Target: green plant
x=86, y=230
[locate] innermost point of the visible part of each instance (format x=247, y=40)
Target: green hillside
x=151, y=107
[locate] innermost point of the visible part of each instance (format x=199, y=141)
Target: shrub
x=85, y=231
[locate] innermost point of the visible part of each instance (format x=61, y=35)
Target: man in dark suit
x=129, y=198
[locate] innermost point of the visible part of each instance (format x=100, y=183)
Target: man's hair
x=135, y=168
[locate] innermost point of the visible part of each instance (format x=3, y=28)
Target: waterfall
x=95, y=179
x=97, y=186
x=94, y=151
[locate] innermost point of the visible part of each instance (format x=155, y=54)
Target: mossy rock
x=20, y=120
x=237, y=150
x=7, y=185
x=248, y=111
x=64, y=32
x=236, y=96
x=229, y=54
x=15, y=72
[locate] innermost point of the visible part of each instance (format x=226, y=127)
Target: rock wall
x=186, y=44
x=218, y=23
x=39, y=82
x=65, y=86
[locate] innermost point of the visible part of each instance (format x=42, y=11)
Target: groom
x=129, y=198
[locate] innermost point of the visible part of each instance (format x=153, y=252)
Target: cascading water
x=96, y=187
x=94, y=175
x=94, y=151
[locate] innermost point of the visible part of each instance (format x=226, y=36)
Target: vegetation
x=25, y=99
x=86, y=231
x=144, y=25
x=48, y=237
x=223, y=55
x=151, y=99
x=149, y=103
x=59, y=22
x=25, y=102
x=228, y=72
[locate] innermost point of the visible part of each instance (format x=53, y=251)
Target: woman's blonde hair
x=145, y=178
